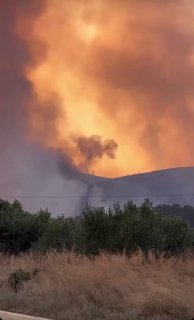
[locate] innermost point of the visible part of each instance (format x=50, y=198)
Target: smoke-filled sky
x=108, y=83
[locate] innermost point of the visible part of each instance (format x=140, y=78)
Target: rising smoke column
x=15, y=88
x=28, y=170
x=77, y=75
x=22, y=115
x=124, y=70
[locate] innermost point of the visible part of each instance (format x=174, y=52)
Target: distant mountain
x=165, y=186
x=38, y=183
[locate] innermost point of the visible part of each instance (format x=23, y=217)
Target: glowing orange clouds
x=119, y=70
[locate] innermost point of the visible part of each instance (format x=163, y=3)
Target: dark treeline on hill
x=114, y=230
x=186, y=212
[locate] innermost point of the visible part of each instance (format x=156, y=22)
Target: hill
x=42, y=179
x=162, y=187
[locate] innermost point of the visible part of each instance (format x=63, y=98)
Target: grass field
x=109, y=287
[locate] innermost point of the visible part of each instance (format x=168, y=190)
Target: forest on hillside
x=127, y=228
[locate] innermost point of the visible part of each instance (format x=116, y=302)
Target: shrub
x=116, y=229
x=19, y=277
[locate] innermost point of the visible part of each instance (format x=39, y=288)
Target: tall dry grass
x=110, y=287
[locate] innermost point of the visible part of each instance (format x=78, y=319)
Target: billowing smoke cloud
x=28, y=171
x=124, y=70
x=92, y=149
x=80, y=78
x=15, y=89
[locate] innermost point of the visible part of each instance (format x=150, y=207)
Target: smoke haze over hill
x=27, y=169
x=100, y=87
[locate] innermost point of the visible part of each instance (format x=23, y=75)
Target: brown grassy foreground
x=110, y=287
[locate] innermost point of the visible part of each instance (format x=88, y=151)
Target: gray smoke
x=38, y=177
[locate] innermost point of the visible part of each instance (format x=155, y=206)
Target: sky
x=105, y=84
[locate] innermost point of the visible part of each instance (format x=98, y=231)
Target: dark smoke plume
x=16, y=91
x=28, y=170
x=93, y=148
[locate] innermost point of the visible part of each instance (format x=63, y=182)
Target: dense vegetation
x=184, y=212
x=116, y=229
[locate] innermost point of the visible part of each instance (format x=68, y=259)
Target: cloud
x=15, y=89
x=92, y=149
x=104, y=87
x=123, y=70
x=30, y=172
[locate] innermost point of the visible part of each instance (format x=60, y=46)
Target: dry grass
x=110, y=287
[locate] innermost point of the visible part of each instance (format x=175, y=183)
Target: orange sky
x=114, y=83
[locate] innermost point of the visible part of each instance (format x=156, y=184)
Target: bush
x=119, y=228
x=19, y=277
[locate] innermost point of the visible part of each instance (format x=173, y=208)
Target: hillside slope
x=165, y=186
